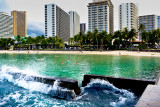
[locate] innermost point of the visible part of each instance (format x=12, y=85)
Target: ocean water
x=98, y=93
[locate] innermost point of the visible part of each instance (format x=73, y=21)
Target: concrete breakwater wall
x=135, y=85
x=151, y=95
x=69, y=84
x=150, y=90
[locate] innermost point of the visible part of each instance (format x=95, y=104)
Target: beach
x=117, y=53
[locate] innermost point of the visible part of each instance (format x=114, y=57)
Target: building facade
x=6, y=25
x=100, y=16
x=57, y=22
x=74, y=23
x=149, y=21
x=19, y=23
x=158, y=21
x=128, y=16
x=83, y=28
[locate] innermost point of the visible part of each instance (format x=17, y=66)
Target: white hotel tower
x=6, y=25
x=128, y=16
x=100, y=16
x=74, y=23
x=57, y=22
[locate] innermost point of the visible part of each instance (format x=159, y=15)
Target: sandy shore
x=122, y=53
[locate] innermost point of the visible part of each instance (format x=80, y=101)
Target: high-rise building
x=83, y=28
x=158, y=21
x=74, y=23
x=100, y=16
x=6, y=25
x=19, y=23
x=57, y=22
x=149, y=21
x=128, y=16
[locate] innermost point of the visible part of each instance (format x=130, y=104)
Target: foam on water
x=124, y=95
x=22, y=81
x=22, y=97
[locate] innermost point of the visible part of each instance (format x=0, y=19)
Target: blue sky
x=35, y=10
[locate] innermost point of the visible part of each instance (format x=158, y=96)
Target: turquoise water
x=22, y=93
x=51, y=65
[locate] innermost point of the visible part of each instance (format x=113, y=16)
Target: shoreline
x=116, y=53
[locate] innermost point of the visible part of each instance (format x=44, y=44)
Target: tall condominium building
x=6, y=25
x=158, y=21
x=57, y=22
x=19, y=23
x=83, y=28
x=100, y=16
x=149, y=21
x=128, y=16
x=74, y=23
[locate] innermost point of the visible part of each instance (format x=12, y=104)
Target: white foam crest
x=5, y=69
x=126, y=95
x=2, y=103
x=79, y=97
x=121, y=101
x=31, y=85
x=22, y=97
x=27, y=82
x=106, y=84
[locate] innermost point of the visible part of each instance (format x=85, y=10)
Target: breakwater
x=68, y=88
x=135, y=85
x=151, y=95
x=57, y=87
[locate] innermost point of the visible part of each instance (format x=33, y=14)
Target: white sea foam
x=103, y=84
x=7, y=73
x=2, y=103
x=29, y=71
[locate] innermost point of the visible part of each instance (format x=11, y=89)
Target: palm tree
x=96, y=36
x=18, y=38
x=118, y=35
x=23, y=42
x=80, y=38
x=158, y=36
x=71, y=40
x=37, y=40
x=141, y=28
x=132, y=36
x=109, y=38
x=125, y=36
x=90, y=37
x=29, y=41
x=44, y=43
x=102, y=35
x=49, y=41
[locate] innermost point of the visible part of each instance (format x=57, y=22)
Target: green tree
x=95, y=33
x=29, y=41
x=18, y=38
x=37, y=41
x=125, y=34
x=90, y=37
x=71, y=40
x=132, y=35
x=118, y=37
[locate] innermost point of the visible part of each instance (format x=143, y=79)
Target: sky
x=35, y=10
